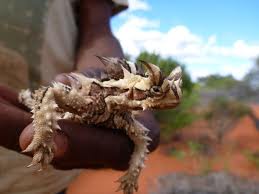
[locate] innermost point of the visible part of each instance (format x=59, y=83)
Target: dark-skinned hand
x=13, y=118
x=77, y=145
x=84, y=146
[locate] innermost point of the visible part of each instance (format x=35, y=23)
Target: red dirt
x=102, y=181
x=229, y=157
x=256, y=110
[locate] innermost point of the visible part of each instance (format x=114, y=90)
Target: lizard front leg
x=138, y=134
x=116, y=102
x=50, y=104
x=45, y=124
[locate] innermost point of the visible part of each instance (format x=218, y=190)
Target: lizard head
x=164, y=92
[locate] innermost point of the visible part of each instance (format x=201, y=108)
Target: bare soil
x=228, y=156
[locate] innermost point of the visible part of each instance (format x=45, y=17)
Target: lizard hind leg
x=44, y=125
x=138, y=134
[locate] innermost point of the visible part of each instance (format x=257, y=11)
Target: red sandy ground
x=229, y=157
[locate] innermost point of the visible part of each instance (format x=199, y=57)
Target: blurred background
x=210, y=142
x=214, y=133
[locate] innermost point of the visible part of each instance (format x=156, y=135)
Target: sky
x=217, y=36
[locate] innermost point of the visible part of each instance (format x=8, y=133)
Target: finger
x=13, y=121
x=60, y=140
x=97, y=73
x=3, y=101
x=63, y=79
x=90, y=147
x=94, y=147
x=11, y=96
x=84, y=147
x=26, y=137
x=92, y=73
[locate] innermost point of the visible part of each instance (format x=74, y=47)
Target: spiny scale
x=110, y=101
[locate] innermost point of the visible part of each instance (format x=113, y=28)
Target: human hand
x=84, y=146
x=13, y=118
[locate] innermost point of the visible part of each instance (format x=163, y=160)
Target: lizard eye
x=156, y=90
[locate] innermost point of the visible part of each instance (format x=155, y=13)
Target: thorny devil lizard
x=109, y=101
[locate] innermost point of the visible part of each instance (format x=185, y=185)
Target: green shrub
x=171, y=120
x=226, y=107
x=252, y=157
x=206, y=166
x=216, y=81
x=195, y=147
x=174, y=119
x=178, y=154
x=167, y=65
x=223, y=113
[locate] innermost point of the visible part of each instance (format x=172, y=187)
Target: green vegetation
x=167, y=65
x=179, y=154
x=174, y=119
x=216, y=81
x=195, y=147
x=251, y=79
x=231, y=108
x=223, y=113
x=252, y=157
x=206, y=166
x=171, y=120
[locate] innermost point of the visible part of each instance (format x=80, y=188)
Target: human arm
x=95, y=34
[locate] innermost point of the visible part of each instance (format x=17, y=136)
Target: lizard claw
x=42, y=154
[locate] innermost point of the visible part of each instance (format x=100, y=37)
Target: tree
x=252, y=77
x=173, y=119
x=216, y=81
x=222, y=113
x=166, y=65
